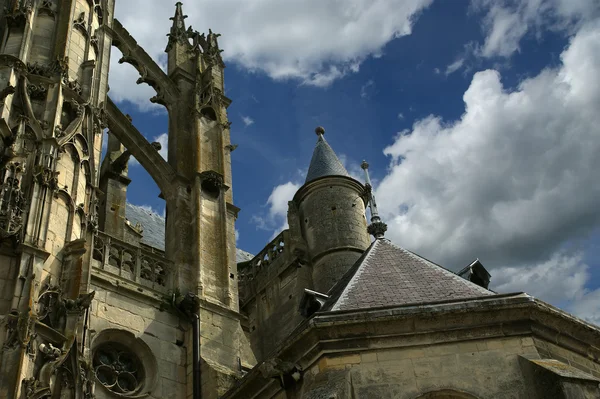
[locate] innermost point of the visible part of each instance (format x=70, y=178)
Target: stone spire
x=324, y=162
x=377, y=228
x=178, y=33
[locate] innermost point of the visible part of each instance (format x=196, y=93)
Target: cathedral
x=99, y=299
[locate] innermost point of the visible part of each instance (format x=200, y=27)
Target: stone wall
x=482, y=368
x=273, y=313
x=272, y=286
x=161, y=332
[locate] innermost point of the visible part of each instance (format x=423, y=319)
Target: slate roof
x=387, y=275
x=154, y=229
x=324, y=162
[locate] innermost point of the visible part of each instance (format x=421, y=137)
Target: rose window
x=118, y=369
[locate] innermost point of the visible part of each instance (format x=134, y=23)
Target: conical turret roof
x=324, y=162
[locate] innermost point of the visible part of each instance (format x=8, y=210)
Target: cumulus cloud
x=560, y=280
x=311, y=41
x=275, y=219
x=122, y=78
x=506, y=22
x=512, y=181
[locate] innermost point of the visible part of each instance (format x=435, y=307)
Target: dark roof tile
x=324, y=162
x=388, y=275
x=154, y=229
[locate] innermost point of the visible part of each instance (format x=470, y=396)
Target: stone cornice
x=489, y=317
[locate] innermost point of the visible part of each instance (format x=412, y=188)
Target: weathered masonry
x=101, y=299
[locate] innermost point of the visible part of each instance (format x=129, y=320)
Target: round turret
x=331, y=209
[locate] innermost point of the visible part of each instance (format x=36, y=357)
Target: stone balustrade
x=143, y=265
x=254, y=274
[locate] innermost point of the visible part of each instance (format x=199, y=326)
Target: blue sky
x=478, y=118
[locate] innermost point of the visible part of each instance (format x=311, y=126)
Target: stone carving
x=50, y=351
x=81, y=24
x=37, y=92
x=188, y=304
x=73, y=85
x=377, y=229
x=19, y=331
x=7, y=91
x=56, y=67
x=212, y=182
x=210, y=48
x=100, y=117
x=46, y=177
x=48, y=6
x=12, y=62
x=18, y=14
x=12, y=203
x=52, y=307
x=287, y=373
x=58, y=132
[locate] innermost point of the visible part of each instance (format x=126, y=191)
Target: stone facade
x=90, y=306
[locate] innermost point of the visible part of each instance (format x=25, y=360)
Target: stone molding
x=325, y=181
x=498, y=316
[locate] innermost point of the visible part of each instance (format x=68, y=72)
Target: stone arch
x=446, y=394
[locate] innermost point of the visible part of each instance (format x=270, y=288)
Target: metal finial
x=377, y=228
x=320, y=131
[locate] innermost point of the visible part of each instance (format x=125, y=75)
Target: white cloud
x=163, y=140
x=455, y=66
x=352, y=167
x=153, y=211
x=511, y=181
x=311, y=41
x=400, y=115
x=560, y=280
x=247, y=120
x=367, y=89
x=276, y=218
x=561, y=277
x=506, y=22
x=278, y=200
x=122, y=78
x=588, y=306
